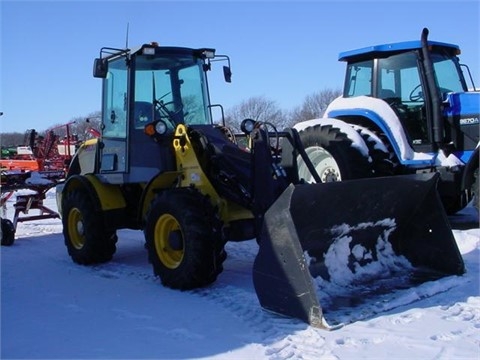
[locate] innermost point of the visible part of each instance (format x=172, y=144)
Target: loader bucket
x=306, y=220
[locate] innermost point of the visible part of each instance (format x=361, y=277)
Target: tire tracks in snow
x=286, y=338
x=282, y=338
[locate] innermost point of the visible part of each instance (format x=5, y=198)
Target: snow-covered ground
x=53, y=308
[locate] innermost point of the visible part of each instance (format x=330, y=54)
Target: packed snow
x=383, y=111
x=52, y=308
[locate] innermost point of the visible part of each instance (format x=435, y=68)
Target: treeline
x=79, y=126
x=259, y=108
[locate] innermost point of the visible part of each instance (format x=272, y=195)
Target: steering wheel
x=419, y=94
x=165, y=112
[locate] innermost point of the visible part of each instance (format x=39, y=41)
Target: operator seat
x=386, y=94
x=143, y=113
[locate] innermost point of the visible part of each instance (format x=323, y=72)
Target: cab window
x=115, y=100
x=359, y=79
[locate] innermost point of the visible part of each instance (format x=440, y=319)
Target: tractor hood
x=464, y=110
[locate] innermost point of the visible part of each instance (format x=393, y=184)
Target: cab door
x=113, y=152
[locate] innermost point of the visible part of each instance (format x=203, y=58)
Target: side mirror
x=227, y=74
x=100, y=68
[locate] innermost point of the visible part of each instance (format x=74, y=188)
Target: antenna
x=126, y=39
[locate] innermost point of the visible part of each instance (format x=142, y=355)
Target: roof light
x=209, y=53
x=148, y=51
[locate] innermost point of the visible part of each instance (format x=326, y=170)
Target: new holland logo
x=469, y=121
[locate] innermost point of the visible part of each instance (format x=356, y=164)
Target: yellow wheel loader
x=162, y=166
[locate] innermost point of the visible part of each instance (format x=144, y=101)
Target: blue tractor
x=406, y=108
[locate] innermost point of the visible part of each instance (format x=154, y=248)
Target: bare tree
x=313, y=106
x=12, y=139
x=85, y=127
x=257, y=108
x=79, y=126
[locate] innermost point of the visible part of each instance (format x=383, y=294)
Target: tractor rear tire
x=184, y=243
x=8, y=232
x=86, y=239
x=332, y=155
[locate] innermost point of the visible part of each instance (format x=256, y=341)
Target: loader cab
x=147, y=92
x=396, y=73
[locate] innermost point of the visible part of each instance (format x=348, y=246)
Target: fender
x=105, y=197
x=380, y=114
x=85, y=159
x=163, y=181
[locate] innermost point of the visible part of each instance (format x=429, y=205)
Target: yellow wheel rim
x=76, y=228
x=166, y=227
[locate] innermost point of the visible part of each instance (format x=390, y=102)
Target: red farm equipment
x=37, y=166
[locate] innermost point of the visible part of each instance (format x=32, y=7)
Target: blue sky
x=283, y=50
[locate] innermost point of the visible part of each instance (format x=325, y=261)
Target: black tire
x=8, y=232
x=86, y=239
x=183, y=240
x=475, y=191
x=384, y=160
x=452, y=203
x=332, y=154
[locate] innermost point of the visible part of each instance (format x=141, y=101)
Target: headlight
x=156, y=128
x=247, y=126
x=161, y=127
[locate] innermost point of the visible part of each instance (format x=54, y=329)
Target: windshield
x=175, y=85
x=398, y=75
x=449, y=76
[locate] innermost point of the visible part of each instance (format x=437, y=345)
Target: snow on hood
x=381, y=108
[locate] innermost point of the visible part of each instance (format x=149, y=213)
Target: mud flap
x=305, y=219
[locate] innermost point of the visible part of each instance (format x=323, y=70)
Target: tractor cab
x=399, y=74
x=147, y=92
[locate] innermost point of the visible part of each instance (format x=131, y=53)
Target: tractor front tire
x=8, y=232
x=332, y=154
x=86, y=239
x=183, y=241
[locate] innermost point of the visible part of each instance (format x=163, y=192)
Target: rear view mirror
x=227, y=74
x=100, y=68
